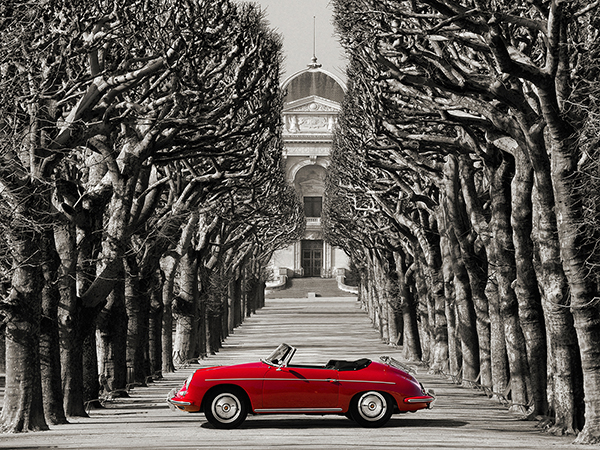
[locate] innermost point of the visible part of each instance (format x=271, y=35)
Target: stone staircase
x=305, y=287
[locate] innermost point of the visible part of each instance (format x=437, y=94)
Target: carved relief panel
x=315, y=116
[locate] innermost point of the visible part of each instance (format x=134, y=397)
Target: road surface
x=322, y=328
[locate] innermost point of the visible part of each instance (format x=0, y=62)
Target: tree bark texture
x=71, y=342
x=78, y=319
x=465, y=317
x=475, y=260
x=425, y=312
x=111, y=336
x=584, y=304
x=454, y=350
x=460, y=251
x=564, y=373
x=438, y=304
x=382, y=290
x=526, y=285
x=155, y=321
x=23, y=408
x=506, y=275
x=52, y=392
x=185, y=309
x=411, y=345
x=169, y=265
x=137, y=305
x=500, y=370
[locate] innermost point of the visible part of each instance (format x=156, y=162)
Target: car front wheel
x=371, y=409
x=226, y=409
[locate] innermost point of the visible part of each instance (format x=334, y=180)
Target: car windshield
x=398, y=365
x=278, y=357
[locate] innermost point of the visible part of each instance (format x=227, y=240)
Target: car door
x=300, y=388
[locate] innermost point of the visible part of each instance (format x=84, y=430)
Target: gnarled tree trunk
x=185, y=309
x=111, y=336
x=465, y=316
x=52, y=392
x=454, y=350
x=169, y=265
x=411, y=345
x=584, y=304
x=477, y=268
x=506, y=275
x=526, y=286
x=23, y=409
x=137, y=305
x=564, y=365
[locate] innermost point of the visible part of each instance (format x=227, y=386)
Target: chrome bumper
x=178, y=402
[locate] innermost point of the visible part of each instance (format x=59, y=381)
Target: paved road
x=321, y=328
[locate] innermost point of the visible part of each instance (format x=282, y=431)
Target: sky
x=294, y=20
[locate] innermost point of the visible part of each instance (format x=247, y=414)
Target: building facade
x=312, y=104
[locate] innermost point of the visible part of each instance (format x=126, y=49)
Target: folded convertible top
x=342, y=365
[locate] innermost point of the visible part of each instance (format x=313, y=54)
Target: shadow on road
x=320, y=423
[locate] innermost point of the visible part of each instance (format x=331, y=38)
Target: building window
x=313, y=206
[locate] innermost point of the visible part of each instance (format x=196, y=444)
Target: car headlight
x=183, y=391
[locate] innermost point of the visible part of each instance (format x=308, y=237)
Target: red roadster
x=365, y=391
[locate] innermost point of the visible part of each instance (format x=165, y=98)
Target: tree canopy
x=141, y=150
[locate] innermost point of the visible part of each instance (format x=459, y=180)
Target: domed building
x=311, y=106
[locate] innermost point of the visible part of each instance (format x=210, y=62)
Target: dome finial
x=314, y=64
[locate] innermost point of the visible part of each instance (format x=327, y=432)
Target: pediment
x=312, y=104
x=310, y=116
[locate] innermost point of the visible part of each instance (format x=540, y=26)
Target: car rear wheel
x=226, y=408
x=371, y=409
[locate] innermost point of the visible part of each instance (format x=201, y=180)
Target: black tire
x=371, y=409
x=226, y=408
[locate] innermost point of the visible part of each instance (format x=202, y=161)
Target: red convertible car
x=365, y=391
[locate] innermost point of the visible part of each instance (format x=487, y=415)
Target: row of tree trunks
x=505, y=275
x=585, y=307
x=466, y=320
x=511, y=97
x=461, y=254
x=211, y=308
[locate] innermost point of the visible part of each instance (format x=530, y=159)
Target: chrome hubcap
x=226, y=407
x=372, y=406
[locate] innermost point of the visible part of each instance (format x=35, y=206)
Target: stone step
x=315, y=287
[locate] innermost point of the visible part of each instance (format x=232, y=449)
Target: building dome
x=313, y=81
x=312, y=104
